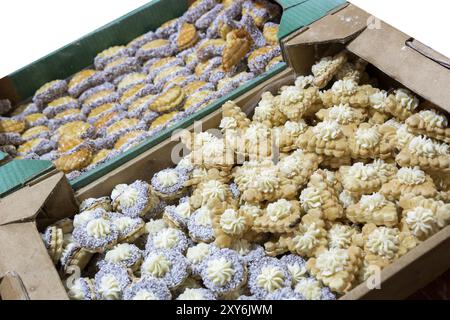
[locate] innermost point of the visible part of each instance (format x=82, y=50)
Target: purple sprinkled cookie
x=38, y=146
x=138, y=42
x=258, y=63
x=159, y=48
x=120, y=67
x=149, y=116
x=284, y=294
x=153, y=70
x=198, y=9
x=167, y=239
x=60, y=105
x=296, y=266
x=55, y=123
x=223, y=272
x=97, y=235
x=84, y=80
x=169, y=184
x=97, y=99
x=110, y=282
x=82, y=289
x=167, y=265
x=94, y=203
x=257, y=36
x=130, y=80
x=178, y=216
x=168, y=28
x=133, y=200
x=11, y=138
x=197, y=294
x=147, y=289
x=268, y=275
x=108, y=55
x=124, y=254
x=200, y=226
x=196, y=254
x=50, y=91
x=102, y=87
x=312, y=289
x=207, y=18
x=228, y=14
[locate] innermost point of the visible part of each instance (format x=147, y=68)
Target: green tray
x=78, y=55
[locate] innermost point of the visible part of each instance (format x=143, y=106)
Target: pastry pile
x=134, y=91
x=332, y=180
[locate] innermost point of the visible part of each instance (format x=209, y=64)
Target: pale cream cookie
x=326, y=138
x=429, y=123
x=425, y=153
x=337, y=268
x=374, y=208
x=409, y=180
x=401, y=104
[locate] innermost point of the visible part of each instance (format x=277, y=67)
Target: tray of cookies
x=138, y=91
x=325, y=182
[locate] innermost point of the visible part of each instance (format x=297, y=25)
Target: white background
x=29, y=29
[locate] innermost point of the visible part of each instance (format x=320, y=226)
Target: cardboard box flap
x=22, y=254
x=426, y=72
x=12, y=287
x=15, y=173
x=50, y=196
x=296, y=16
x=340, y=25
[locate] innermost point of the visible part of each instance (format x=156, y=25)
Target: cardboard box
x=328, y=35
x=61, y=64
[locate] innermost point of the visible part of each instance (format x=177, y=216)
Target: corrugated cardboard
x=396, y=54
x=50, y=197
x=400, y=279
x=23, y=255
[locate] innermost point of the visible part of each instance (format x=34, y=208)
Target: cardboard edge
x=21, y=245
x=418, y=268
x=42, y=195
